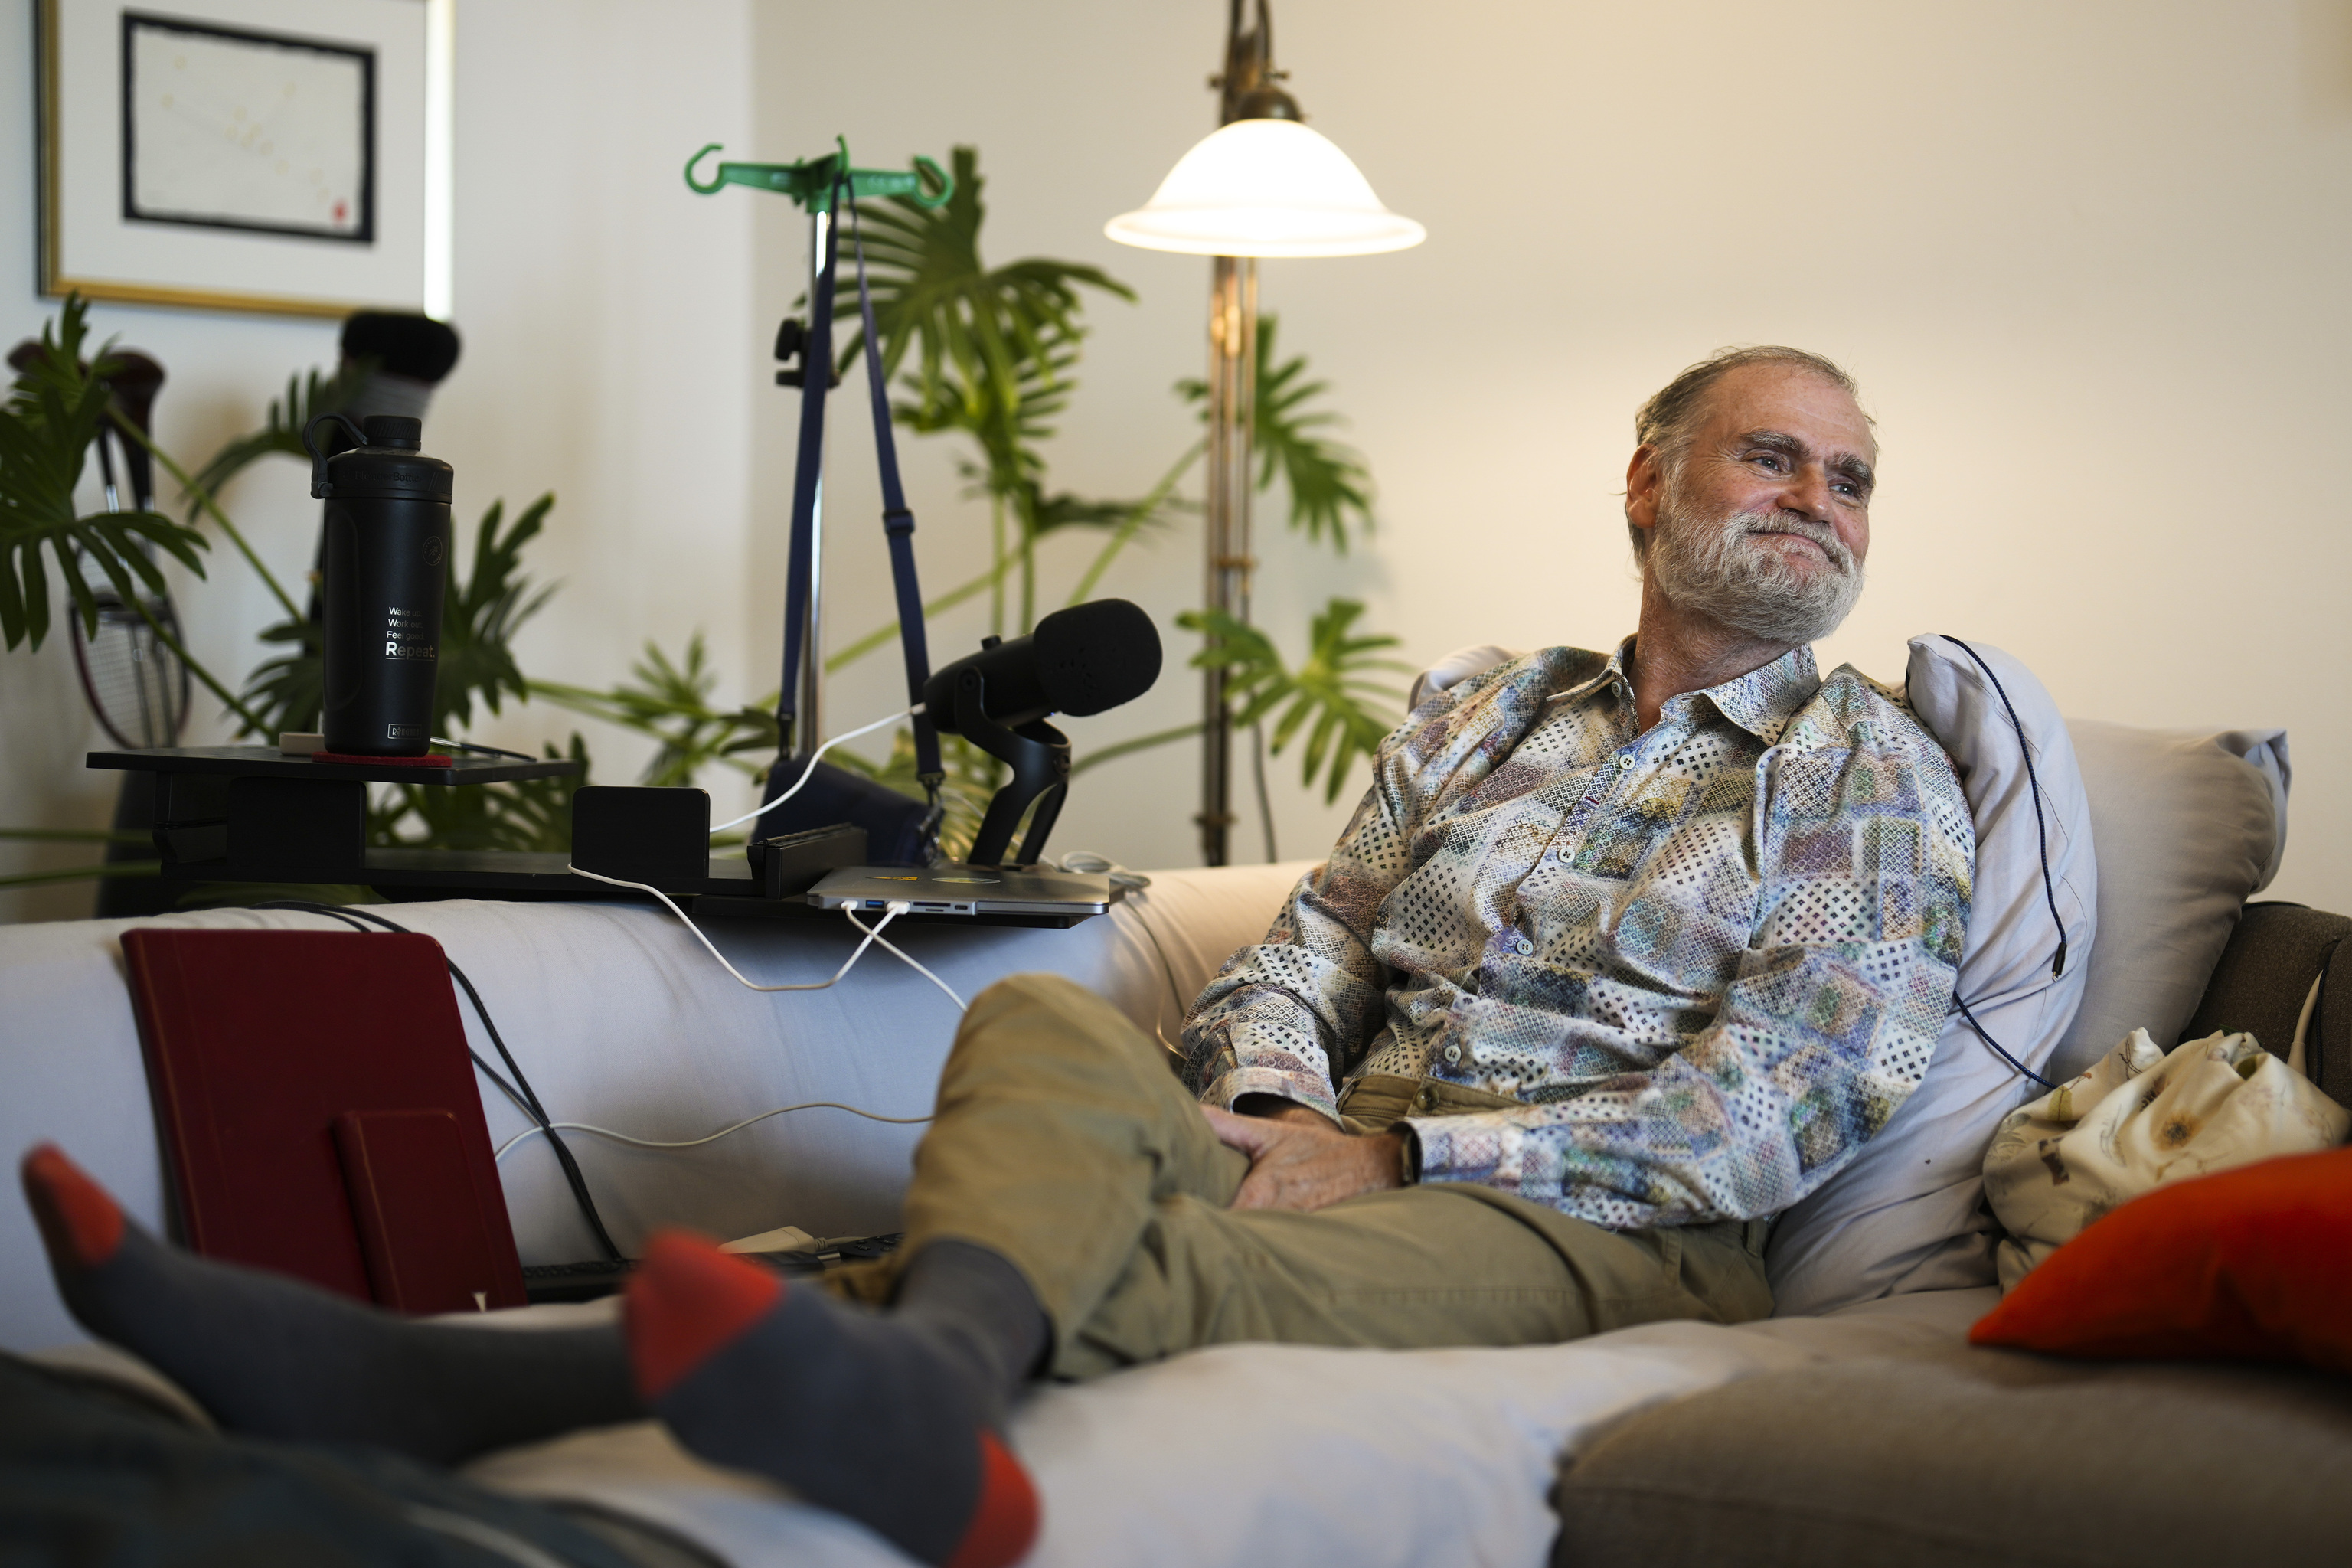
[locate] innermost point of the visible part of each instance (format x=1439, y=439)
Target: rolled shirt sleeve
x=1292, y=1015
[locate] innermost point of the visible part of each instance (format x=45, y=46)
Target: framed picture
x=284, y=156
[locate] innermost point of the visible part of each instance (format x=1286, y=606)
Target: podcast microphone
x=412, y=355
x=1082, y=661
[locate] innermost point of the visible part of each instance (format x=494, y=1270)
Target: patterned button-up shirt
x=1692, y=968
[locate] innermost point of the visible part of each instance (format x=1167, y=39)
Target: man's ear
x=1646, y=483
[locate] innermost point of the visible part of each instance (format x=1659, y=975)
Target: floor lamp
x=1262, y=184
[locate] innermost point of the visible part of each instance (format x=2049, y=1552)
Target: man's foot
x=275, y=1357
x=882, y=1418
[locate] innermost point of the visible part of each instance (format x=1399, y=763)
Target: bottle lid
x=387, y=465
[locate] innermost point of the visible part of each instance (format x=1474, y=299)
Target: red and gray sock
x=892, y=1419
x=272, y=1356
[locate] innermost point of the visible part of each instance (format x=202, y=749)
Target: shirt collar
x=1763, y=701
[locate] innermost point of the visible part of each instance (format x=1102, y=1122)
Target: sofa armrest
x=2263, y=977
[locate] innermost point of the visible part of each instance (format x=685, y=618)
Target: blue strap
x=899, y=523
x=816, y=374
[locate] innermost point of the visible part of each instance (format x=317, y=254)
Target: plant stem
x=244, y=715
x=74, y=836
x=81, y=873
x=1028, y=527
x=996, y=553
x=1265, y=800
x=884, y=634
x=204, y=499
x=1141, y=743
x=1134, y=523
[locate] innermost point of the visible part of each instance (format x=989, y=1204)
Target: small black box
x=660, y=835
x=786, y=865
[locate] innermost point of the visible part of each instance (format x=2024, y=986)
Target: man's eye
x=1772, y=460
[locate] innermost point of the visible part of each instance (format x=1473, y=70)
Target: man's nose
x=1808, y=491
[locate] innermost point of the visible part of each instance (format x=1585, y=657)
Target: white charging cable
x=810, y=770
x=533, y=1132
x=890, y=911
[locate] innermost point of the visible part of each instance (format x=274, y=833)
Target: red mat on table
x=429, y=760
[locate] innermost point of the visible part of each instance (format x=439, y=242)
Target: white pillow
x=1458, y=666
x=1904, y=1214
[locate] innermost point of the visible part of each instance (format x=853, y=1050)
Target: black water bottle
x=387, y=531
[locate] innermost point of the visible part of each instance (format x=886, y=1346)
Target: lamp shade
x=1265, y=187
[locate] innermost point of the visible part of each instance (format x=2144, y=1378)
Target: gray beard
x=1714, y=567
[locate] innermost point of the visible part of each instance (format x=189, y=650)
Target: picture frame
x=284, y=157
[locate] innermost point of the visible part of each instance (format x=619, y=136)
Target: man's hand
x=1298, y=1160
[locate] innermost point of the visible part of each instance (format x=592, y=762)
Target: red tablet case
x=320, y=1115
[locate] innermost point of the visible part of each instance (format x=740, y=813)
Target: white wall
x=603, y=307
x=2086, y=259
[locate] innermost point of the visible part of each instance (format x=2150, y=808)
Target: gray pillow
x=2188, y=823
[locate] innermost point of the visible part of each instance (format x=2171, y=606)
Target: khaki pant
x=1063, y=1143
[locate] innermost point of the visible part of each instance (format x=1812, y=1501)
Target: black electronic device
x=387, y=548
x=642, y=833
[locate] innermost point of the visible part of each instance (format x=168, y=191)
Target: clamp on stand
x=1039, y=756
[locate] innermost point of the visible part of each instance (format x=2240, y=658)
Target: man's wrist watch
x=1408, y=1157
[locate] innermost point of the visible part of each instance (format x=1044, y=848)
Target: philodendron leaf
x=55, y=410
x=1328, y=482
x=669, y=700
x=480, y=615
x=1331, y=698
x=281, y=430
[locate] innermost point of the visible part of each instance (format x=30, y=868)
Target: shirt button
x=1453, y=1054
x=1624, y=762
x=1524, y=947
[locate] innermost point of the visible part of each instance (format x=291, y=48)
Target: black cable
x=525, y=1098
x=1989, y=1040
x=2025, y=749
x=2049, y=891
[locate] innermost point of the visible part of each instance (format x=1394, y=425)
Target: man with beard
x=1623, y=954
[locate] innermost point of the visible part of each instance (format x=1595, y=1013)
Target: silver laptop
x=953, y=890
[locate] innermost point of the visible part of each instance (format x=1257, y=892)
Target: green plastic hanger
x=811, y=182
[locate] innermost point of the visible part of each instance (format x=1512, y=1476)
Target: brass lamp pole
x=1262, y=185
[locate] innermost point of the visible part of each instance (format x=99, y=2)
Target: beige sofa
x=1869, y=1433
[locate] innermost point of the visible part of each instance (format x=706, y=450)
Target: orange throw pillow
x=2250, y=1263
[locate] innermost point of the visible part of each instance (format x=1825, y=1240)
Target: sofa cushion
x=1969, y=1458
